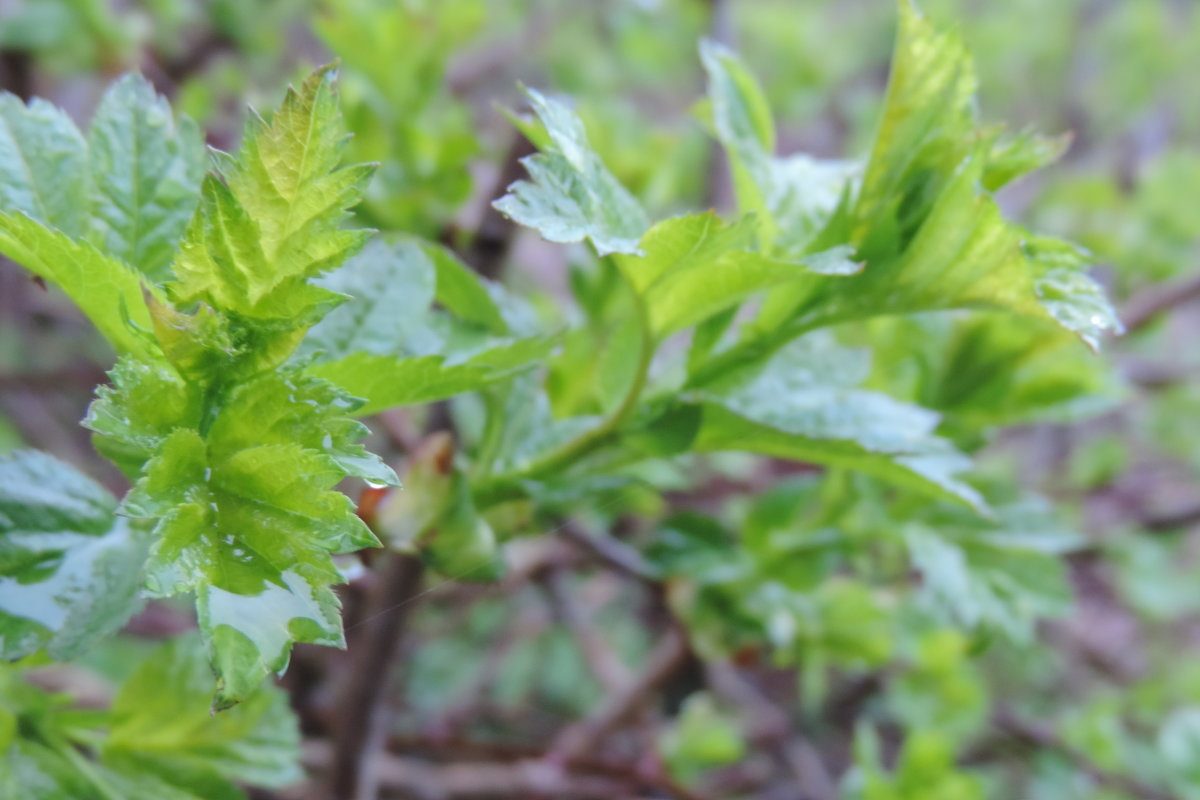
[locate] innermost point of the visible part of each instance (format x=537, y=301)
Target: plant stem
x=569, y=452
x=86, y=768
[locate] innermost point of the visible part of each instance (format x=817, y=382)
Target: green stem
x=501, y=487
x=88, y=770
x=493, y=433
x=749, y=352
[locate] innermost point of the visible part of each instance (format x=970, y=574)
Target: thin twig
x=488, y=249
x=611, y=551
x=1172, y=521
x=612, y=674
x=770, y=727
x=586, y=735
x=521, y=779
x=1145, y=306
x=360, y=727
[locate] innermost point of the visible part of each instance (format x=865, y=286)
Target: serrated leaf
x=697, y=266
x=287, y=176
x=273, y=224
x=133, y=416
x=43, y=165
x=1003, y=575
x=1070, y=296
x=247, y=518
x=463, y=292
x=387, y=381
x=236, y=455
x=803, y=407
x=928, y=234
x=70, y=571
x=146, y=170
x=794, y=196
x=571, y=195
x=106, y=290
x=161, y=723
x=391, y=287
x=251, y=533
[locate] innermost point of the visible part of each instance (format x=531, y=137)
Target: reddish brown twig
x=586, y=735
x=1145, y=306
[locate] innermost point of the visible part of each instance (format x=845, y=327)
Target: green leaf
x=695, y=267
x=682, y=244
x=1067, y=292
x=985, y=371
x=247, y=518
x=793, y=197
x=161, y=723
x=43, y=165
x=1002, y=575
x=926, y=129
x=255, y=550
x=802, y=406
x=34, y=770
x=462, y=545
x=924, y=770
x=70, y=571
x=1024, y=153
x=145, y=403
x=109, y=292
x=387, y=381
x=236, y=454
x=463, y=292
x=964, y=256
x=702, y=737
x=571, y=195
x=391, y=287
x=740, y=112
x=922, y=224
x=255, y=242
x=146, y=170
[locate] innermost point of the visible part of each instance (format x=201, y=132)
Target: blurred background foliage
x=952, y=691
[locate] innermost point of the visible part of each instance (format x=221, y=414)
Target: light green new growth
x=235, y=453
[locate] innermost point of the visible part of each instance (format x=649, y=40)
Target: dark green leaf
x=146, y=170
x=70, y=571
x=43, y=165
x=802, y=406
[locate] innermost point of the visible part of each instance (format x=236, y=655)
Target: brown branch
x=769, y=727
x=1145, y=306
x=611, y=673
x=612, y=551
x=82, y=375
x=1172, y=521
x=585, y=736
x=360, y=726
x=487, y=251
x=522, y=779
x=629, y=773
